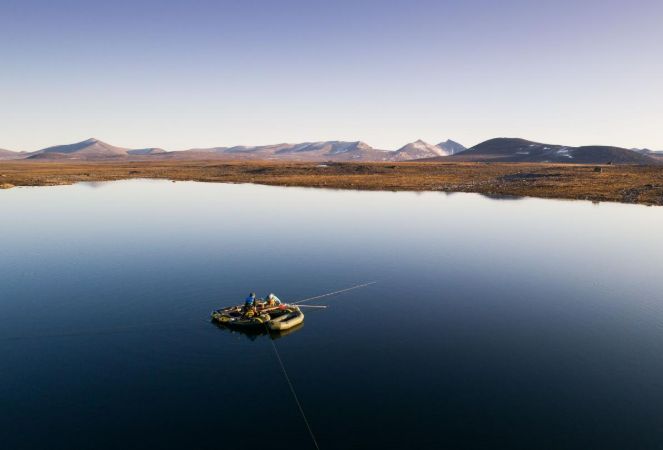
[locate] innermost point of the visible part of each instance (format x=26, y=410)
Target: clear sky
x=199, y=73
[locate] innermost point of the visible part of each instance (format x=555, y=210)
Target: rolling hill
x=451, y=147
x=418, y=150
x=307, y=151
x=521, y=150
x=90, y=149
x=8, y=154
x=146, y=151
x=655, y=154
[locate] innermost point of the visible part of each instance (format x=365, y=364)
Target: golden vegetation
x=631, y=184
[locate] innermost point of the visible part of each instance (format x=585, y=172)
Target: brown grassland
x=628, y=184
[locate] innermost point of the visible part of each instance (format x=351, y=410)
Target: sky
x=198, y=73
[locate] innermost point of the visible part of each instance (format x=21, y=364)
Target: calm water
x=493, y=323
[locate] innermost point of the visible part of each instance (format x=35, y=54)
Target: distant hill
x=332, y=150
x=451, y=147
x=419, y=150
x=655, y=154
x=521, y=150
x=88, y=149
x=146, y=151
x=307, y=151
x=592, y=154
x=54, y=156
x=8, y=154
x=658, y=156
x=91, y=149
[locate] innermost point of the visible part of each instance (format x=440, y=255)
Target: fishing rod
x=144, y=326
x=329, y=294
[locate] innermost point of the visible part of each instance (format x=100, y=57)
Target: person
x=249, y=303
x=273, y=300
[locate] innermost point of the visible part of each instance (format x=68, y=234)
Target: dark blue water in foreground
x=494, y=323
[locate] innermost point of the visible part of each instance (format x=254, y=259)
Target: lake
x=493, y=323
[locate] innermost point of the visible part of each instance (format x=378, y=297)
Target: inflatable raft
x=276, y=318
x=292, y=317
x=233, y=317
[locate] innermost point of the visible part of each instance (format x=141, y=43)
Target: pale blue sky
x=207, y=73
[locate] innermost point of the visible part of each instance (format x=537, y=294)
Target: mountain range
x=94, y=149
x=307, y=151
x=492, y=150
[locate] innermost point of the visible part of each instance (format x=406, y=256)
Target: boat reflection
x=254, y=334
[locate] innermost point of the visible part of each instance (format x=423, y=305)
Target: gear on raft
x=257, y=313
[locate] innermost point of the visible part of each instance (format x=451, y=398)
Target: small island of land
x=616, y=183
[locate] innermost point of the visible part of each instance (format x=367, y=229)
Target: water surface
x=493, y=324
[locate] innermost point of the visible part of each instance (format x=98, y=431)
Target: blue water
x=493, y=324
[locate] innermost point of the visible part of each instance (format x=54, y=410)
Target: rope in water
x=294, y=394
x=334, y=293
x=276, y=351
x=285, y=372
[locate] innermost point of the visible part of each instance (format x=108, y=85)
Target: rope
x=335, y=292
x=294, y=394
x=285, y=372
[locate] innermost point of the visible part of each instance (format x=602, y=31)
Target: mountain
x=418, y=150
x=451, y=147
x=91, y=149
x=146, y=151
x=88, y=149
x=646, y=151
x=307, y=151
x=654, y=154
x=328, y=148
x=521, y=150
x=8, y=154
x=334, y=150
x=600, y=154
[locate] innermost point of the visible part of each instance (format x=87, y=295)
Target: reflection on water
x=260, y=333
x=502, y=197
x=517, y=324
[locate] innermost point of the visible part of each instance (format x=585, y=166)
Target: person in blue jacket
x=249, y=303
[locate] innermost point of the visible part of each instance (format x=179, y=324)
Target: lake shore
x=626, y=184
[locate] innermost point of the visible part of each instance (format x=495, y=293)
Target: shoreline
x=612, y=183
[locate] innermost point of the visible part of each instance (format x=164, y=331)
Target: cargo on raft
x=274, y=318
